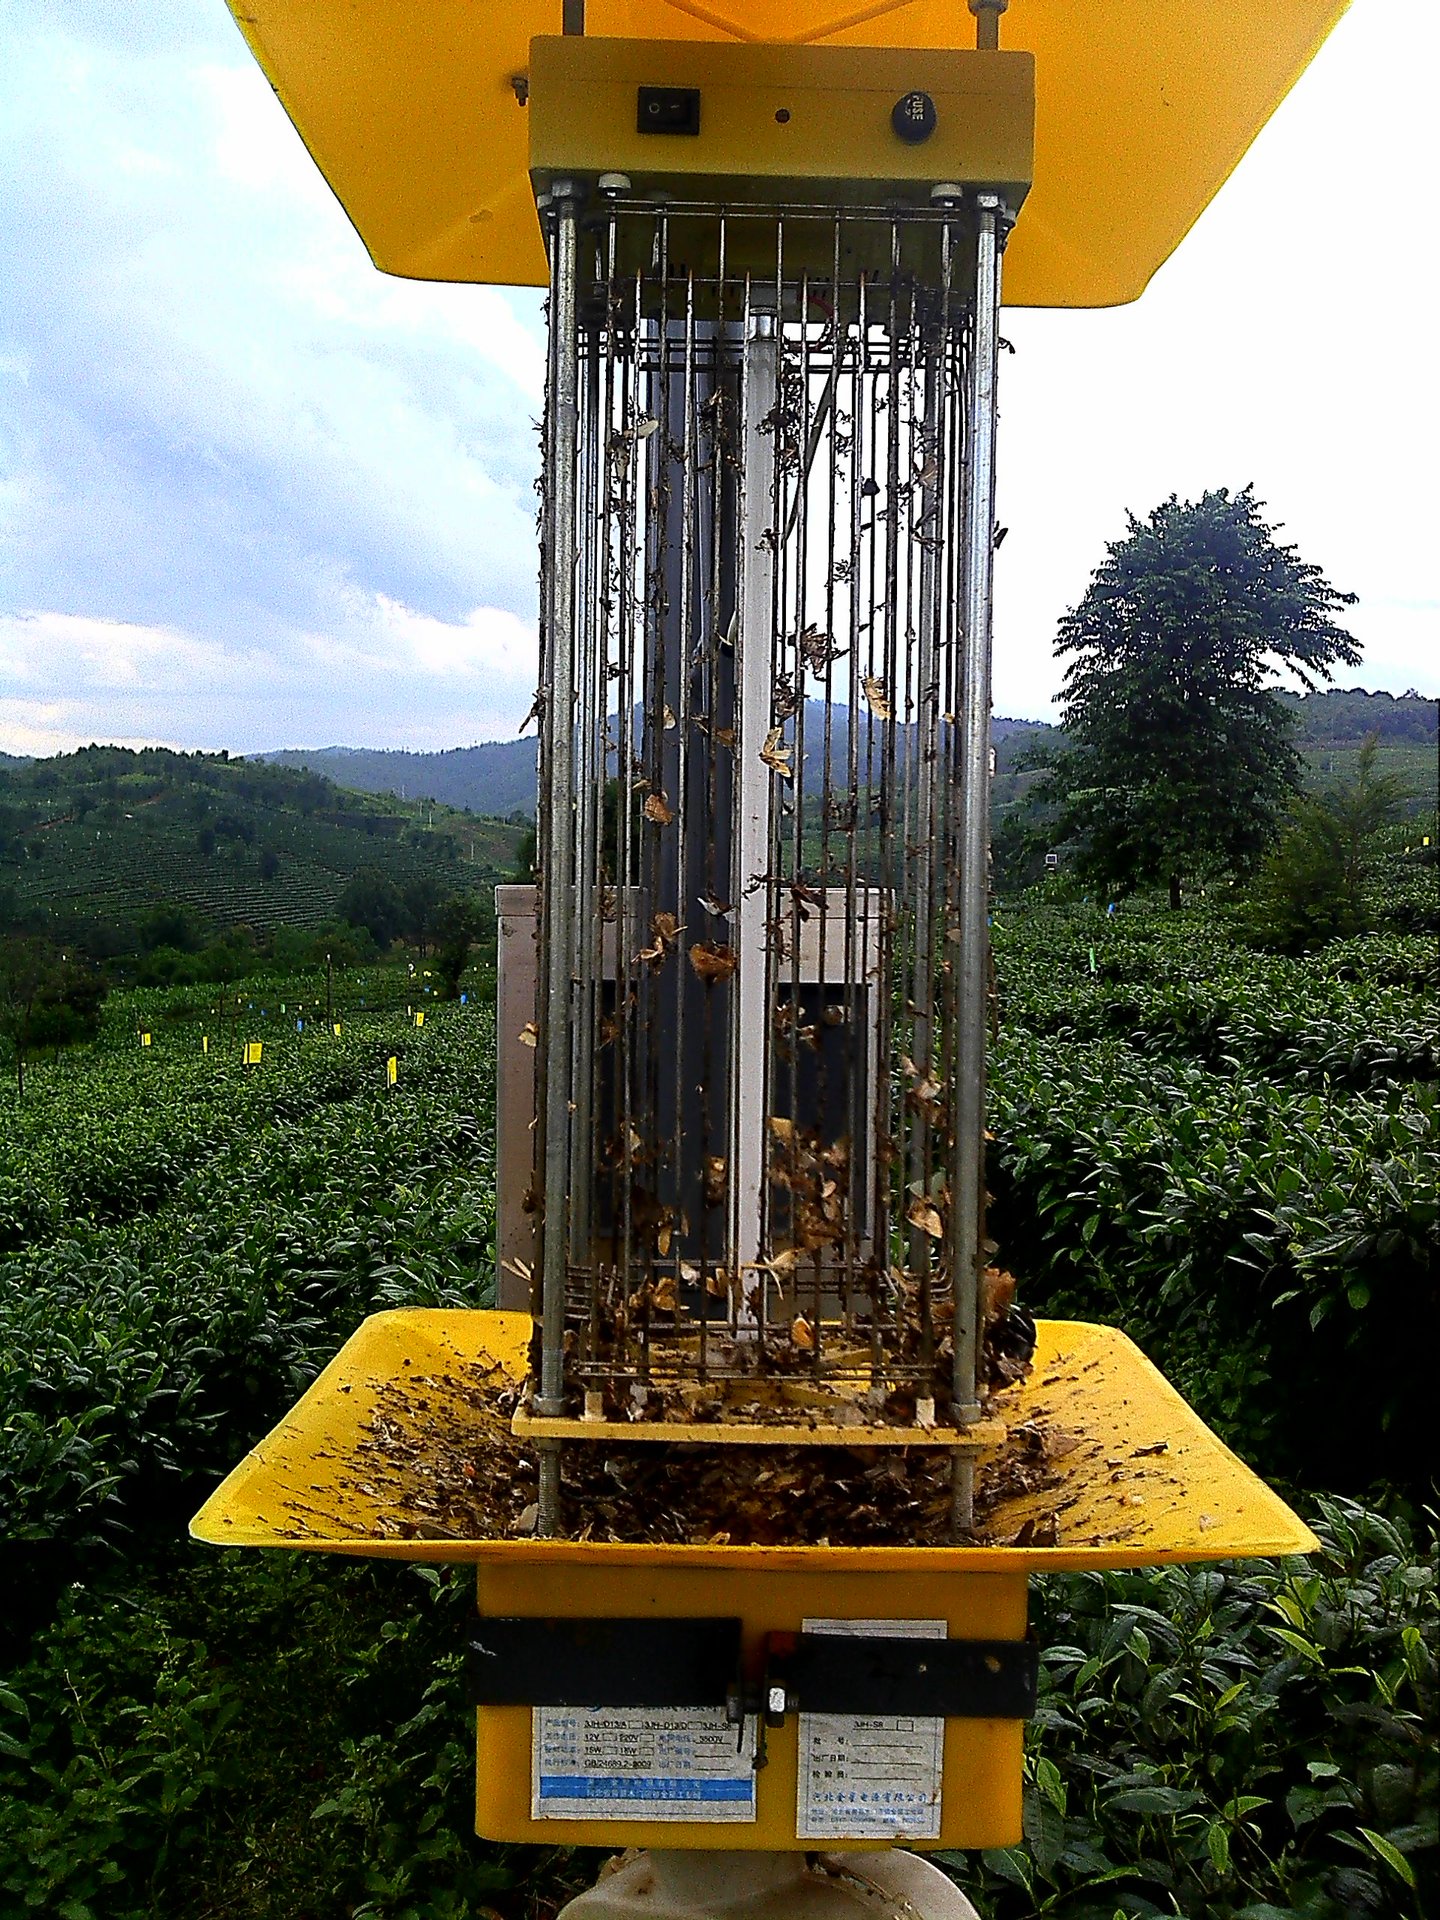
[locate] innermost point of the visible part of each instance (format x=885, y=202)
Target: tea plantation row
x=1239, y=1160
x=196, y=1734
x=218, y=1231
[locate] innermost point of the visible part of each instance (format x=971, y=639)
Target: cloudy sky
x=254, y=494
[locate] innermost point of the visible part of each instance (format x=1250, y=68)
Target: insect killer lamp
x=742, y=1016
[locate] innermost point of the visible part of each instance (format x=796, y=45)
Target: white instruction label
x=870, y=1776
x=636, y=1763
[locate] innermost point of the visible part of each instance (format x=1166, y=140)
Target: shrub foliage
x=1233, y=1155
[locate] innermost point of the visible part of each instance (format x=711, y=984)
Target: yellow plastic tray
x=1141, y=1478
x=1143, y=108
x=1138, y=1480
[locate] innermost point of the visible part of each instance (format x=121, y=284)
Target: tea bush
x=1233, y=1155
x=1251, y=1216
x=1240, y=1742
x=139, y=1357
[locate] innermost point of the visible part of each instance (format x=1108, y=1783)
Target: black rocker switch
x=668, y=110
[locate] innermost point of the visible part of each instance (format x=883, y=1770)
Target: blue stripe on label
x=591, y=1786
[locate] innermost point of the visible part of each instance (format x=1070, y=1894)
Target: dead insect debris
x=436, y=1460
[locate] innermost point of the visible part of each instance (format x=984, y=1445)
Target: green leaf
x=1391, y=1855
x=1217, y=1840
x=1298, y=1644
x=1044, y=1826
x=1048, y=1780
x=1152, y=1800
x=1010, y=1864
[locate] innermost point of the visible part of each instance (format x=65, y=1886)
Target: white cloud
x=1288, y=342
x=389, y=676
x=269, y=496
x=232, y=428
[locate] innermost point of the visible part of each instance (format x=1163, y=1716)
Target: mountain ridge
x=497, y=777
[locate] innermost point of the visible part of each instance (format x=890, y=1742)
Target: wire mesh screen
x=750, y=852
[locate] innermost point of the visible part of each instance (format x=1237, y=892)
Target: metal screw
x=987, y=23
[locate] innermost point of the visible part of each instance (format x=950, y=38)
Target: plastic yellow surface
x=1132, y=1478
x=780, y=124
x=979, y=1438
x=981, y=1780
x=1143, y=109
x=1136, y=1478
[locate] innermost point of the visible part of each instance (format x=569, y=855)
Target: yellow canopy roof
x=1143, y=109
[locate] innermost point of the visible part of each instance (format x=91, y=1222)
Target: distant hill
x=1346, y=716
x=1334, y=726
x=497, y=777
x=92, y=841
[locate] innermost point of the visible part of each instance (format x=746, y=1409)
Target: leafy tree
x=171, y=925
x=458, y=925
x=46, y=999
x=25, y=967
x=375, y=903
x=1311, y=887
x=423, y=897
x=1180, y=762
x=342, y=945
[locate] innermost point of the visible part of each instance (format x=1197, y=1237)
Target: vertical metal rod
x=970, y=1008
x=751, y=890
x=629, y=640
x=987, y=23
x=589, y=777
x=926, y=850
x=559, y=800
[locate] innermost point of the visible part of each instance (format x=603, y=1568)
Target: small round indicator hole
x=782, y=114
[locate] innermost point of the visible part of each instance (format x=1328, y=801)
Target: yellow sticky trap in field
x=252, y=1052
x=420, y=1018
x=392, y=1071
x=144, y=1039
x=204, y=1043
x=336, y=1029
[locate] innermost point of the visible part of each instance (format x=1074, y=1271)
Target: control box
x=741, y=122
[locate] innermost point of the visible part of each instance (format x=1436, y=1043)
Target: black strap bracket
x=878, y=1674
x=592, y=1662
x=663, y=1663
